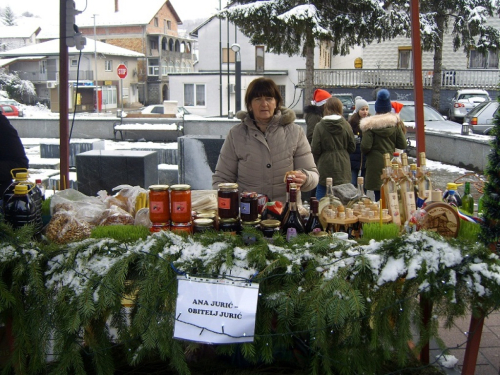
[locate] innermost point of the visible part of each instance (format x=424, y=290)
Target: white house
x=39, y=63
x=18, y=36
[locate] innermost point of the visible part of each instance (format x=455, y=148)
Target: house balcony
x=37, y=77
x=487, y=79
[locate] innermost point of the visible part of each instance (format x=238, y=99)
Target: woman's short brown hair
x=260, y=87
x=333, y=106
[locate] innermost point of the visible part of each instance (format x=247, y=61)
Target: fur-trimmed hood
x=283, y=116
x=314, y=109
x=382, y=121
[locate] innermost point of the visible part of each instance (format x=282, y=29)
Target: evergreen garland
x=328, y=307
x=490, y=228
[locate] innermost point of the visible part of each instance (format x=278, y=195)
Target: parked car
x=464, y=101
x=10, y=101
x=481, y=118
x=433, y=120
x=159, y=109
x=348, y=102
x=10, y=110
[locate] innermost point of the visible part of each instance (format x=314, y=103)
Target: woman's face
x=363, y=112
x=263, y=108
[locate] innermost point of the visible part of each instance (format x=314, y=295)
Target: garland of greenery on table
x=334, y=307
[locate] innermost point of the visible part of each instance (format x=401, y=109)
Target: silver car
x=481, y=118
x=464, y=101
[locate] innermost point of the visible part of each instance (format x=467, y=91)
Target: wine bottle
x=286, y=209
x=313, y=224
x=467, y=200
x=293, y=225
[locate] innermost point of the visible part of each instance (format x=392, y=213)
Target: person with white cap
x=382, y=134
x=358, y=162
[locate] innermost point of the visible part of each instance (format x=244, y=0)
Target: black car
x=348, y=102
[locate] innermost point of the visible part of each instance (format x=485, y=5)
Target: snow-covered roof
x=5, y=62
x=52, y=48
x=17, y=32
x=130, y=12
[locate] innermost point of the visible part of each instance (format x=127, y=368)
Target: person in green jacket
x=382, y=133
x=333, y=141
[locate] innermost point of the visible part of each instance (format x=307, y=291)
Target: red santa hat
x=320, y=97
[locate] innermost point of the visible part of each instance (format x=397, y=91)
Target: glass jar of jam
x=182, y=228
x=269, y=228
x=231, y=226
x=228, y=201
x=180, y=203
x=159, y=227
x=159, y=206
x=201, y=225
x=249, y=206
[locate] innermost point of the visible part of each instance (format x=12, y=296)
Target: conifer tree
x=8, y=16
x=490, y=228
x=295, y=27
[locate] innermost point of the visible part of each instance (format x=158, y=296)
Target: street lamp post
x=95, y=74
x=237, y=70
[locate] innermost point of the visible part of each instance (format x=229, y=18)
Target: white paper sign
x=215, y=311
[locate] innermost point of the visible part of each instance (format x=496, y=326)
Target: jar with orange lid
x=180, y=203
x=159, y=204
x=228, y=201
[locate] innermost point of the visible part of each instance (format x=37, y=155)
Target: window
x=153, y=67
x=232, y=55
x=164, y=68
x=194, y=95
x=483, y=60
x=74, y=62
x=259, y=58
x=109, y=95
x=153, y=43
x=108, y=65
x=155, y=21
x=404, y=58
x=43, y=66
x=169, y=25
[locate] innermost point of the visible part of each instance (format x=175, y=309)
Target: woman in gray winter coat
x=333, y=141
x=265, y=146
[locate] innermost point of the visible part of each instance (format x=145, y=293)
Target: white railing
x=398, y=78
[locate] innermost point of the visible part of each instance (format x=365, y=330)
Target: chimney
x=116, y=6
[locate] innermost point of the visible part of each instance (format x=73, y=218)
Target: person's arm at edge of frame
x=13, y=142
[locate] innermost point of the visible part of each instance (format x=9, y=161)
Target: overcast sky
x=186, y=9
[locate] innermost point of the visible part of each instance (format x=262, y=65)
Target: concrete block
x=50, y=149
x=106, y=169
x=168, y=174
x=198, y=156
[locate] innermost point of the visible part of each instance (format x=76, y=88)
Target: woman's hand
x=299, y=177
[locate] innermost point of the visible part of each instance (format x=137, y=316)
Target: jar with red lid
x=159, y=206
x=228, y=201
x=180, y=203
x=249, y=206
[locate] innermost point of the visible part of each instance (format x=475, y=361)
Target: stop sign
x=122, y=71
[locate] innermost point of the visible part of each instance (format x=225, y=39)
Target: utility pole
x=95, y=62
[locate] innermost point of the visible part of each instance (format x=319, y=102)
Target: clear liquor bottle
x=293, y=225
x=467, y=200
x=407, y=190
x=360, y=197
x=329, y=201
x=313, y=224
x=386, y=173
x=390, y=189
x=424, y=182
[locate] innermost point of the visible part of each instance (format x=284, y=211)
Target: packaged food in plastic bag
x=115, y=216
x=129, y=198
x=142, y=217
x=85, y=208
x=65, y=226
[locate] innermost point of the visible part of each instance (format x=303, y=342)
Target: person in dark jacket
x=358, y=161
x=382, y=134
x=12, y=153
x=333, y=141
x=314, y=112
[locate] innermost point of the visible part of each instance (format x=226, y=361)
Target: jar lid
x=270, y=223
x=203, y=222
x=158, y=187
x=180, y=187
x=319, y=234
x=228, y=221
x=228, y=186
x=249, y=194
x=251, y=223
x=205, y=215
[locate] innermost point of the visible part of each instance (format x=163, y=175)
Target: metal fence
x=398, y=78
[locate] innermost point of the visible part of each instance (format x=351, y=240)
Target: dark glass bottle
x=19, y=208
x=293, y=225
x=313, y=224
x=286, y=208
x=467, y=200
